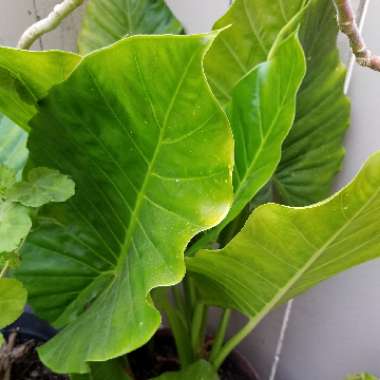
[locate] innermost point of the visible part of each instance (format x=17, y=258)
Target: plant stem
x=348, y=25
x=233, y=342
x=47, y=24
x=179, y=299
x=221, y=333
x=190, y=298
x=4, y=269
x=197, y=328
x=178, y=324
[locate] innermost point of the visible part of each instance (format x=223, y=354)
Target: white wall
x=335, y=328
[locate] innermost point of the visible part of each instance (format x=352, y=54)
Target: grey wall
x=335, y=328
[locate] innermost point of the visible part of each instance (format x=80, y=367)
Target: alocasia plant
x=166, y=137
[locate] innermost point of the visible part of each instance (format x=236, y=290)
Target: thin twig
x=47, y=24
x=348, y=25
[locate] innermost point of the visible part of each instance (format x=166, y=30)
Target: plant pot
x=160, y=355
x=28, y=327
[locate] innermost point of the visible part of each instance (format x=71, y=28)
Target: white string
x=281, y=338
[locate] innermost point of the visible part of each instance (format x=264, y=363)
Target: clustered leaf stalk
x=348, y=26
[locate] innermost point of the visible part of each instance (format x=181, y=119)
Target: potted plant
x=200, y=164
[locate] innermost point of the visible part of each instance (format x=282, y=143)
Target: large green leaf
x=12, y=300
x=27, y=76
x=137, y=128
x=200, y=370
x=313, y=151
x=13, y=151
x=283, y=251
x=253, y=26
x=107, y=21
x=261, y=113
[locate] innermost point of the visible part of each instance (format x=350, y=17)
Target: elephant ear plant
x=172, y=141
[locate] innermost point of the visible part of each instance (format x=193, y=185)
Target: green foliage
x=12, y=300
x=107, y=21
x=253, y=26
x=201, y=370
x=16, y=198
x=285, y=251
x=15, y=224
x=138, y=128
x=260, y=121
x=313, y=151
x=26, y=77
x=42, y=186
x=152, y=168
x=13, y=151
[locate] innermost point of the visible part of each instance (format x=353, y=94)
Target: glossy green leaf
x=313, y=151
x=201, y=370
x=12, y=300
x=42, y=186
x=27, y=76
x=107, y=21
x=15, y=224
x=253, y=26
x=283, y=251
x=138, y=129
x=13, y=151
x=261, y=114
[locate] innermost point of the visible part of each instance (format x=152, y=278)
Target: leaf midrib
x=288, y=286
x=141, y=195
x=264, y=140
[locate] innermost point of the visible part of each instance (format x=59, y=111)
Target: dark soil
x=19, y=361
x=160, y=355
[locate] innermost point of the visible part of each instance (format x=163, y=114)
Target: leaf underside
x=261, y=114
x=283, y=251
x=107, y=21
x=253, y=26
x=313, y=151
x=27, y=76
x=150, y=151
